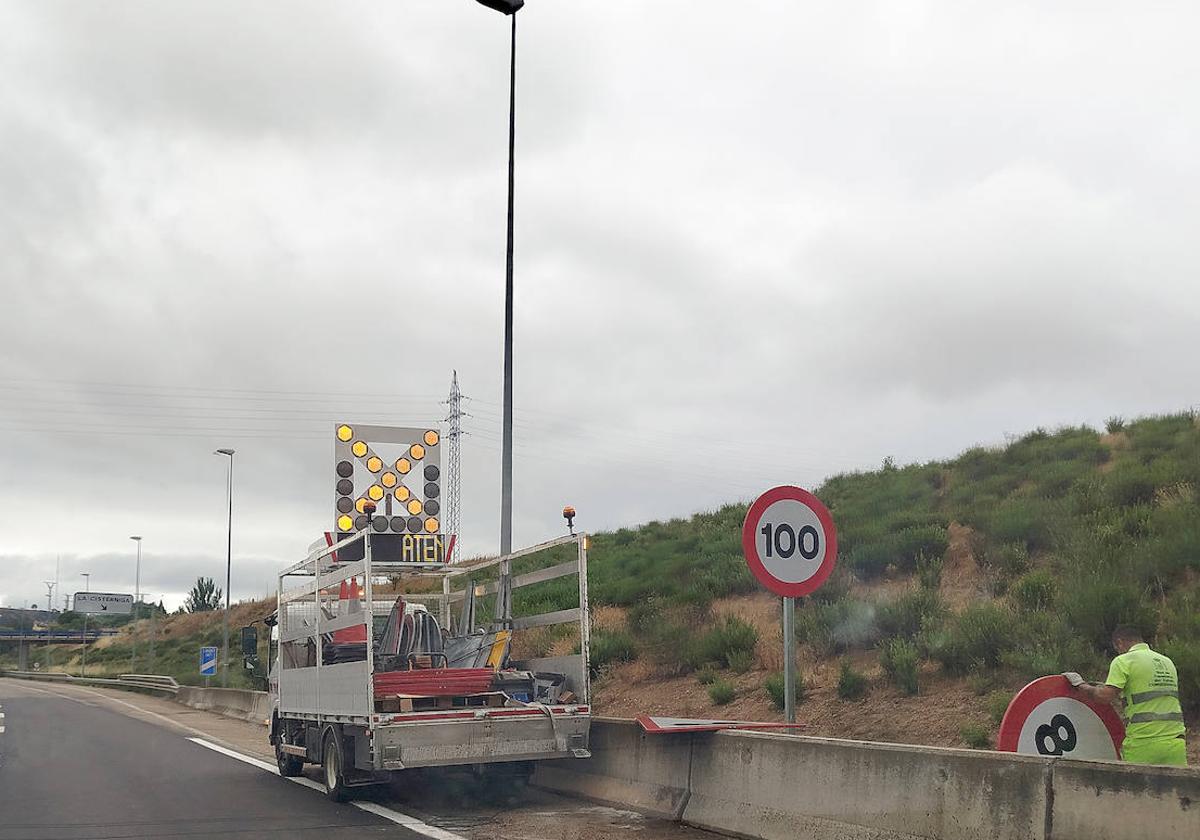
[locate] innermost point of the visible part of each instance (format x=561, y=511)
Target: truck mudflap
x=480, y=736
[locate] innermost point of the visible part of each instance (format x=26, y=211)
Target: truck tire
x=333, y=767
x=289, y=765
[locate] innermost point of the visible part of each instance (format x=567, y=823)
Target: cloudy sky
x=756, y=243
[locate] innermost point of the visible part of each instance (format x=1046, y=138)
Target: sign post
x=790, y=544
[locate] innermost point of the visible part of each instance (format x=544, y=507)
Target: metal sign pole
x=789, y=659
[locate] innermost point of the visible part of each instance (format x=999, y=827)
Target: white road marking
x=56, y=694
x=137, y=708
x=411, y=823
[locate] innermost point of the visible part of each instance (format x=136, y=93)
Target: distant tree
x=205, y=596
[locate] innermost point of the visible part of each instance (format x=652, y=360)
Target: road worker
x=1148, y=685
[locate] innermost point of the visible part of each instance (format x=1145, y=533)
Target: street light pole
x=507, y=444
x=87, y=587
x=50, y=617
x=228, y=570
x=137, y=593
x=504, y=613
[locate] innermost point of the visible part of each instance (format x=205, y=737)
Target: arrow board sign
x=103, y=603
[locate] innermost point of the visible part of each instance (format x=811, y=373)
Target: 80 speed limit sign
x=789, y=541
x=1049, y=718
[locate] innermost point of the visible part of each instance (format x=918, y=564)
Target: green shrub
x=929, y=572
x=852, y=685
x=912, y=543
x=774, y=687
x=977, y=638
x=721, y=692
x=706, y=676
x=976, y=736
x=872, y=559
x=1180, y=616
x=726, y=639
x=1094, y=606
x=1009, y=559
x=1114, y=424
x=997, y=705
x=1034, y=592
x=611, y=646
x=901, y=662
x=982, y=682
x=1046, y=644
x=1130, y=483
x=741, y=661
x=1185, y=653
x=910, y=614
x=1024, y=521
x=835, y=588
x=848, y=624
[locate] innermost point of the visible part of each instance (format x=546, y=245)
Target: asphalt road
x=79, y=761
x=72, y=766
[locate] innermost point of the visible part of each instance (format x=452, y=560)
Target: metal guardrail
x=146, y=682
x=54, y=635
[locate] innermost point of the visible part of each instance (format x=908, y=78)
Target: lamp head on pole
x=136, y=539
x=505, y=7
x=228, y=452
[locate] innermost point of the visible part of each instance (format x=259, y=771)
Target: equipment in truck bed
x=434, y=682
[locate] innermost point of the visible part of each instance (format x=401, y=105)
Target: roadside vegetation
x=1001, y=564
x=1064, y=534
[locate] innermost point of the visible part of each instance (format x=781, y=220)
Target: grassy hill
x=958, y=581
x=169, y=645
x=990, y=568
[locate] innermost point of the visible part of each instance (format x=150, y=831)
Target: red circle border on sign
x=750, y=549
x=1047, y=688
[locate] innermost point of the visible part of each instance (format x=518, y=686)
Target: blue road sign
x=208, y=661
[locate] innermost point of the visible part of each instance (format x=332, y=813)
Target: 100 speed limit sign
x=789, y=541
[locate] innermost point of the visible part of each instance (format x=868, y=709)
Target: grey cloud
x=749, y=250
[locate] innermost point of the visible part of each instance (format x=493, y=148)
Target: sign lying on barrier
x=659, y=725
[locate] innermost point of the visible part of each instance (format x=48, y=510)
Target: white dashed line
x=411, y=823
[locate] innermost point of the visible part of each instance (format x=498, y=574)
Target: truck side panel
x=479, y=740
x=339, y=689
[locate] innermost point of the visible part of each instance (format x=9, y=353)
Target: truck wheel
x=333, y=768
x=289, y=765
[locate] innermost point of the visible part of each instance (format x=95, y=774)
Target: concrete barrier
x=254, y=706
x=628, y=768
x=779, y=786
x=1103, y=801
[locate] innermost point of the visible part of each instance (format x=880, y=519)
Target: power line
x=97, y=386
